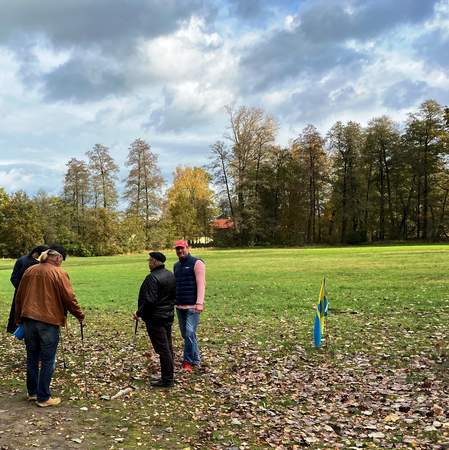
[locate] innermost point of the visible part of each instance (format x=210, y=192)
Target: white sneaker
x=52, y=401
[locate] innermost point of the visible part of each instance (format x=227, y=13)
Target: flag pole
x=327, y=333
x=319, y=324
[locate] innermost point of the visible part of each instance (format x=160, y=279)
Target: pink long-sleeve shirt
x=200, y=276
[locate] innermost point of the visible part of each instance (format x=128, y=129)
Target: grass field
x=380, y=382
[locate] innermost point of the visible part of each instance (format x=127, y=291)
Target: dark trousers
x=41, y=340
x=160, y=337
x=11, y=327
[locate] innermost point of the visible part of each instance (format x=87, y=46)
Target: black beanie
x=158, y=256
x=60, y=249
x=39, y=249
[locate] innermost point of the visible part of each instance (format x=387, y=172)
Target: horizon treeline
x=355, y=184
x=381, y=182
x=85, y=218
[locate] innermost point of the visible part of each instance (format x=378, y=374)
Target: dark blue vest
x=185, y=281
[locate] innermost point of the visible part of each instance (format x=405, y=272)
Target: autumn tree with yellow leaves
x=190, y=203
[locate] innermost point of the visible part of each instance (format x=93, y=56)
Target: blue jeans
x=188, y=323
x=41, y=341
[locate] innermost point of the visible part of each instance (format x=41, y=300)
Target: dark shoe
x=162, y=383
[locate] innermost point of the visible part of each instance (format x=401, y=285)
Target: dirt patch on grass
x=23, y=425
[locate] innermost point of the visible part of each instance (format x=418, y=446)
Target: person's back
x=48, y=294
x=20, y=266
x=156, y=303
x=164, y=306
x=43, y=298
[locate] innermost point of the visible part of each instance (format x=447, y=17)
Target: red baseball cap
x=181, y=243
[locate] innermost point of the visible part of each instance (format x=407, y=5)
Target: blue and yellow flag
x=322, y=309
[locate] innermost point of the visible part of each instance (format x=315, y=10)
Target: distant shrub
x=356, y=237
x=77, y=249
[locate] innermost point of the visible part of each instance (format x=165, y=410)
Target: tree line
x=384, y=181
x=354, y=184
x=86, y=219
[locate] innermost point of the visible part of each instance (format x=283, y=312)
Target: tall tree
x=382, y=141
x=278, y=223
x=251, y=133
x=104, y=173
x=143, y=184
x=345, y=143
x=191, y=202
x=310, y=154
x=425, y=137
x=221, y=175
x=77, y=192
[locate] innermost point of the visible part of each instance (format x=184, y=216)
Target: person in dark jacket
x=156, y=308
x=20, y=266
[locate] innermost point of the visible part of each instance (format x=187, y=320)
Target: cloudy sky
x=79, y=72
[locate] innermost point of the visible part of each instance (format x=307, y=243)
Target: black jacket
x=20, y=266
x=157, y=296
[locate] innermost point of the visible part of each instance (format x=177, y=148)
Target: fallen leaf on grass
x=391, y=418
x=376, y=435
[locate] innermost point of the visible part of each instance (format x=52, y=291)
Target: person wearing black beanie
x=20, y=266
x=156, y=305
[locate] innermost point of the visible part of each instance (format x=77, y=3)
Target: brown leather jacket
x=45, y=294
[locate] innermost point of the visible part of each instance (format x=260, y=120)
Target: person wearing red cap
x=190, y=275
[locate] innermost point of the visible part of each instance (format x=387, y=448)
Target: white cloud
x=15, y=179
x=48, y=57
x=62, y=90
x=192, y=53
x=10, y=86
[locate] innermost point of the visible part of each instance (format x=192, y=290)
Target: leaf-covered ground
x=248, y=394
x=382, y=381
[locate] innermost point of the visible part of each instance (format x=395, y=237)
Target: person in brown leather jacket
x=44, y=296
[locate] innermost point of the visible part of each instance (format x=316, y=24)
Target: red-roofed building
x=222, y=224
x=223, y=232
